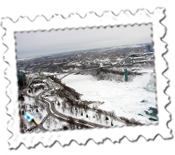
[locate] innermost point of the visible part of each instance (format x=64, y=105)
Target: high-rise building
x=21, y=80
x=150, y=48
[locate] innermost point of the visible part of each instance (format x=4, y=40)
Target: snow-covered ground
x=90, y=116
x=123, y=98
x=53, y=124
x=39, y=115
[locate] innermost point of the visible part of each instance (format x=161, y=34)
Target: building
x=134, y=55
x=107, y=64
x=139, y=58
x=21, y=80
x=128, y=60
x=112, y=59
x=148, y=53
x=150, y=48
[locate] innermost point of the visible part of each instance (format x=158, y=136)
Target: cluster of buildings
x=140, y=58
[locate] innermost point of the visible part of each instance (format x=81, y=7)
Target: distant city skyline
x=39, y=43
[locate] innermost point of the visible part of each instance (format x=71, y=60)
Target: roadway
x=51, y=111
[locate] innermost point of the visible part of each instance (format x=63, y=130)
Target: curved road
x=54, y=113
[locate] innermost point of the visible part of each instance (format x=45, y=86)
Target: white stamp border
x=91, y=19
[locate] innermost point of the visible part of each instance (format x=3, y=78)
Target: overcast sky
x=43, y=43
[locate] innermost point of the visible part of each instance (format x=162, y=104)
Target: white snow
x=37, y=116
x=92, y=116
x=38, y=84
x=28, y=101
x=122, y=98
x=51, y=98
x=54, y=124
x=40, y=115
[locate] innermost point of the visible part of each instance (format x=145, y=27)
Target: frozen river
x=127, y=99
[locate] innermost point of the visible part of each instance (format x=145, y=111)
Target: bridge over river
x=89, y=69
x=119, y=64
